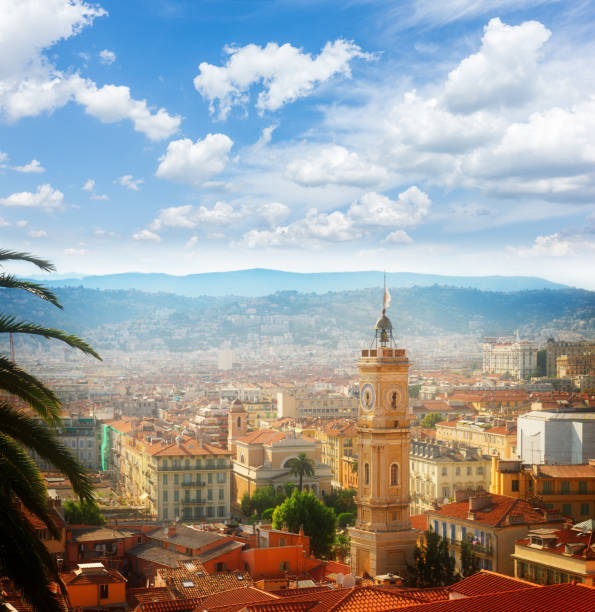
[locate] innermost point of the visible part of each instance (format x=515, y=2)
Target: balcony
x=192, y=468
x=193, y=483
x=193, y=502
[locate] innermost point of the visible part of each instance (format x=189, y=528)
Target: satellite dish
x=349, y=581
x=339, y=579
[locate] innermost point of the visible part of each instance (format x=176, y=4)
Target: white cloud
x=335, y=165
x=503, y=72
x=399, y=237
x=31, y=84
x=145, y=234
x=285, y=71
x=190, y=216
x=37, y=233
x=101, y=233
x=274, y=213
x=22, y=223
x=3, y=159
x=89, y=185
x=107, y=57
x=265, y=137
x=375, y=209
x=130, y=182
x=4, y=222
x=193, y=163
x=33, y=167
x=75, y=251
x=99, y=196
x=556, y=245
x=45, y=197
x=191, y=242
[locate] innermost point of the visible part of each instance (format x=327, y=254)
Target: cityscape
x=297, y=306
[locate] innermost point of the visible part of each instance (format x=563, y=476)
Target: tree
x=342, y=546
x=541, y=366
x=23, y=556
x=82, y=513
x=433, y=564
x=301, y=466
x=414, y=391
x=319, y=522
x=340, y=500
x=469, y=560
x=345, y=518
x=262, y=498
x=430, y=420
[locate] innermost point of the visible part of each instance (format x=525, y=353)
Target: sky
x=186, y=136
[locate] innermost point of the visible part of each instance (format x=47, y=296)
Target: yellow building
x=497, y=438
x=182, y=480
x=259, y=410
x=549, y=556
x=337, y=439
x=568, y=488
x=382, y=539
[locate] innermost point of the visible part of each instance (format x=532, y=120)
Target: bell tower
x=382, y=539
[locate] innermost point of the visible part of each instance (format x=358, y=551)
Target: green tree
x=23, y=556
x=267, y=514
x=340, y=500
x=262, y=498
x=430, y=420
x=433, y=564
x=342, y=546
x=414, y=391
x=541, y=367
x=345, y=518
x=301, y=466
x=319, y=522
x=469, y=560
x=82, y=513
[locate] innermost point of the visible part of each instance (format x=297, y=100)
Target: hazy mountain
x=260, y=282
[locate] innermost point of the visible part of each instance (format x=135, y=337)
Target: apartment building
x=519, y=359
x=302, y=403
x=437, y=471
x=557, y=348
x=491, y=437
x=338, y=440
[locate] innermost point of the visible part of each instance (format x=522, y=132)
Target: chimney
x=478, y=502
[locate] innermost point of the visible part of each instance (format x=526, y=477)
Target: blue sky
x=452, y=137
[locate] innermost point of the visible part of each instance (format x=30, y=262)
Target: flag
x=386, y=298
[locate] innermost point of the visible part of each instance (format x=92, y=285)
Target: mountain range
x=258, y=282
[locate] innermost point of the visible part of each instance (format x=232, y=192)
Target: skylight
x=187, y=583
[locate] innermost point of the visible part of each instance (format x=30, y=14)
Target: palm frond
x=44, y=264
x=9, y=281
x=37, y=437
x=31, y=390
x=25, y=560
x=23, y=478
x=9, y=324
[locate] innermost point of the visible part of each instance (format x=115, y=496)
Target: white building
x=517, y=358
x=561, y=437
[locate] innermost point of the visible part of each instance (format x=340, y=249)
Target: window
x=165, y=495
x=444, y=530
x=585, y=511
x=366, y=473
x=210, y=494
x=547, y=487
x=582, y=487
x=176, y=479
x=165, y=513
x=165, y=479
x=187, y=464
x=479, y=470
x=210, y=477
x=103, y=591
x=452, y=532
x=164, y=464
x=469, y=470
x=445, y=492
x=220, y=510
x=567, y=509
x=221, y=477
x=565, y=487
x=284, y=566
x=210, y=511
x=198, y=464
x=444, y=471
x=239, y=423
x=139, y=540
x=394, y=474
x=221, y=494
x=219, y=566
x=176, y=495
x=435, y=526
x=515, y=485
x=458, y=471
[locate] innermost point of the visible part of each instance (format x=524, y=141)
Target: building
x=437, y=471
x=338, y=439
x=492, y=523
x=551, y=556
x=557, y=348
x=92, y=587
x=382, y=539
x=519, y=359
x=211, y=425
x=562, y=435
x=300, y=403
x=569, y=488
x=491, y=437
x=580, y=369
x=262, y=458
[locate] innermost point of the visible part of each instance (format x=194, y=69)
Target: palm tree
x=301, y=466
x=23, y=556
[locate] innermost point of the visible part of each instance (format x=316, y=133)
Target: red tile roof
x=262, y=436
x=484, y=582
x=107, y=576
x=567, y=536
x=419, y=521
x=566, y=471
x=187, y=446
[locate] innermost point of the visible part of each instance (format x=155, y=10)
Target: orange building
x=93, y=587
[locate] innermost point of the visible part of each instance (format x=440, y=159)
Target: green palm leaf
x=9, y=281
x=6, y=255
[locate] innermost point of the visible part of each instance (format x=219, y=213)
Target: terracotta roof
x=562, y=538
x=174, y=605
x=187, y=537
x=188, y=447
x=550, y=598
x=501, y=431
x=262, y=436
x=484, y=582
x=419, y=521
x=99, y=534
x=155, y=553
x=107, y=576
x=566, y=471
x=240, y=597
x=495, y=514
x=141, y=595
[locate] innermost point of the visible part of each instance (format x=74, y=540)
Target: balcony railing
x=190, y=468
x=193, y=502
x=193, y=483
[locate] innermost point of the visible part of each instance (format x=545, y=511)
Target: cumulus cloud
x=503, y=72
x=146, y=234
x=265, y=137
x=4, y=222
x=374, y=209
x=37, y=233
x=101, y=233
x=286, y=74
x=75, y=251
x=194, y=162
x=89, y=185
x=189, y=216
x=107, y=57
x=556, y=245
x=336, y=165
x=33, y=167
x=399, y=237
x=274, y=213
x=130, y=182
x=45, y=197
x=31, y=84
x=22, y=223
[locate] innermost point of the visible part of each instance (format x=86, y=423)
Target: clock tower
x=382, y=539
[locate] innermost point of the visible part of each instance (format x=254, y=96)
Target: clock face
x=367, y=397
x=393, y=398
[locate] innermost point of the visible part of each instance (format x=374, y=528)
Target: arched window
x=239, y=422
x=366, y=473
x=242, y=457
x=394, y=474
